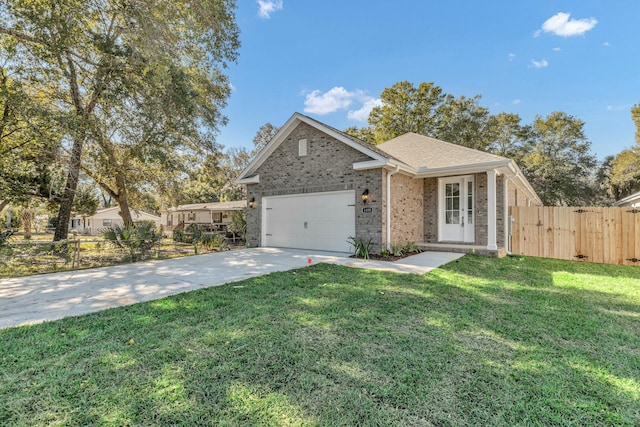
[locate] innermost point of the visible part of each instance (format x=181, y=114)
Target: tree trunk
x=3, y=204
x=64, y=214
x=123, y=201
x=27, y=215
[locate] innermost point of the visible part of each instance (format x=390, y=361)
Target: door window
x=469, y=202
x=452, y=203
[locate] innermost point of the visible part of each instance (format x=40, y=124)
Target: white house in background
x=632, y=201
x=215, y=215
x=108, y=217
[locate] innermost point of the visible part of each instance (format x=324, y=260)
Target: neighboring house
x=632, y=201
x=107, y=217
x=215, y=215
x=313, y=187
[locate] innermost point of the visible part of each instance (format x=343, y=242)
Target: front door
x=456, y=216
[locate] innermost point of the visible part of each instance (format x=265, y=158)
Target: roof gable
x=367, y=149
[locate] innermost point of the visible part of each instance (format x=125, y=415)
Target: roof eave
x=631, y=198
x=386, y=164
x=255, y=179
x=424, y=172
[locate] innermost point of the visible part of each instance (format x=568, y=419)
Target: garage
x=318, y=221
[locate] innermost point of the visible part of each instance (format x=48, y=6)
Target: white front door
x=456, y=215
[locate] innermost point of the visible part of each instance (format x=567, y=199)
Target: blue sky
x=331, y=60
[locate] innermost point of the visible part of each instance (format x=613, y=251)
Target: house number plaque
x=367, y=210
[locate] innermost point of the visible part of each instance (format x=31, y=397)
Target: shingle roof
x=421, y=151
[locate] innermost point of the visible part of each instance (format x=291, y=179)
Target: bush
x=238, y=224
x=397, y=249
x=362, y=247
x=137, y=240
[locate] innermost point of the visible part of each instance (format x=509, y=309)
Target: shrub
x=397, y=249
x=411, y=247
x=137, y=240
x=238, y=224
x=361, y=246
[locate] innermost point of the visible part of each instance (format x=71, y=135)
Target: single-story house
x=214, y=214
x=632, y=201
x=314, y=187
x=108, y=217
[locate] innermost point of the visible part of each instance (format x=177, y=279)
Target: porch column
x=491, y=210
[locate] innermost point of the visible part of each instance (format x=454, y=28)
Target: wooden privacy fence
x=604, y=235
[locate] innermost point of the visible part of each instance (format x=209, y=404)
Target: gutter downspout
x=507, y=218
x=388, y=222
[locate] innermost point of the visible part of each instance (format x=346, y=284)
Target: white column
x=491, y=210
x=505, y=187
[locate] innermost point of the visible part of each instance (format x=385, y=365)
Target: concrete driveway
x=35, y=299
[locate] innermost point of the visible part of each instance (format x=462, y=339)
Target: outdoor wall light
x=252, y=202
x=365, y=196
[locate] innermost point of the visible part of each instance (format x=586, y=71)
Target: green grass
x=481, y=341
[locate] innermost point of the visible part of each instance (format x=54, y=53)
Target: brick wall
x=328, y=166
x=430, y=205
x=407, y=209
x=480, y=180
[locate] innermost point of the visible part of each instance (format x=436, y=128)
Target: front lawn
x=481, y=341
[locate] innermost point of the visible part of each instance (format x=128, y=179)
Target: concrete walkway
x=35, y=299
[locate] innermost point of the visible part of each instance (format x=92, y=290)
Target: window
x=302, y=147
x=106, y=223
x=452, y=203
x=216, y=217
x=469, y=202
x=170, y=219
x=191, y=216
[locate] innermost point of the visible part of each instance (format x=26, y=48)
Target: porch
x=461, y=249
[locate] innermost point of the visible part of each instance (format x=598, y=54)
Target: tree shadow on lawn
x=330, y=345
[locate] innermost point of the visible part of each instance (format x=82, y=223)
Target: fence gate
x=595, y=234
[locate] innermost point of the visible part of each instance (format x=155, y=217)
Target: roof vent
x=302, y=147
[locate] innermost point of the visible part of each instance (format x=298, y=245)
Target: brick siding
x=328, y=166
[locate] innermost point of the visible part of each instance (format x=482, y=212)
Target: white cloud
x=606, y=44
x=362, y=114
x=560, y=25
x=337, y=98
x=512, y=56
x=539, y=64
x=267, y=7
x=556, y=49
x=515, y=102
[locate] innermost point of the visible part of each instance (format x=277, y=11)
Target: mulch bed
x=390, y=258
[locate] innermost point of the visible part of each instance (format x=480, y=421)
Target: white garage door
x=320, y=221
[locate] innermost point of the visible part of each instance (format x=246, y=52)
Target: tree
x=465, y=122
x=28, y=143
x=625, y=171
x=265, y=134
x=428, y=111
x=86, y=202
x=635, y=116
x=365, y=134
x=506, y=135
x=88, y=57
x=557, y=161
x=406, y=108
x=625, y=167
